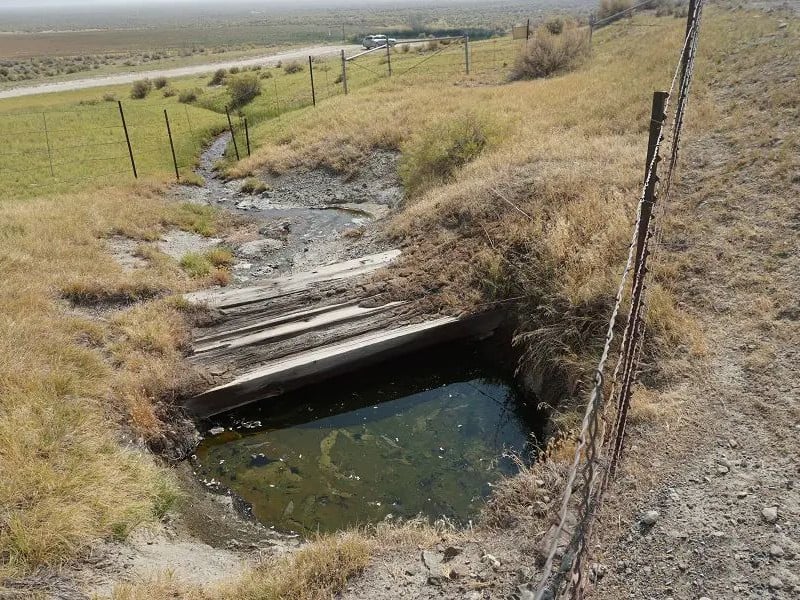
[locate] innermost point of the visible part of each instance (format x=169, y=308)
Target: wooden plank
x=305, y=321
x=282, y=286
x=278, y=376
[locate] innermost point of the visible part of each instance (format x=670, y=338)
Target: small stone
x=722, y=469
x=770, y=514
x=489, y=559
x=775, y=551
x=650, y=517
x=741, y=494
x=431, y=559
x=733, y=443
x=775, y=583
x=216, y=431
x=782, y=25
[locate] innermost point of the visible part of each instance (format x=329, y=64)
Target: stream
x=304, y=219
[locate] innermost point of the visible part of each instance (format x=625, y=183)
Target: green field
x=63, y=141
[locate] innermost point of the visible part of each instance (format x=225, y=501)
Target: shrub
x=233, y=70
x=546, y=54
x=141, y=88
x=218, y=77
x=404, y=48
x=293, y=67
x=433, y=45
x=612, y=7
x=169, y=92
x=160, y=83
x=195, y=265
x=189, y=96
x=555, y=25
x=440, y=152
x=109, y=97
x=243, y=88
x=265, y=75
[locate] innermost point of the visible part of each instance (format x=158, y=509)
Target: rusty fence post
x=172, y=146
x=127, y=139
x=657, y=118
x=233, y=135
x=344, y=72
x=311, y=72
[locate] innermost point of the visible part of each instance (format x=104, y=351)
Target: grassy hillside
x=522, y=190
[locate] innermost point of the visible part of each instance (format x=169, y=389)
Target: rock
x=722, y=469
x=431, y=560
x=242, y=266
x=650, y=517
x=216, y=431
x=491, y=560
x=258, y=247
x=775, y=551
x=775, y=583
x=451, y=552
x=782, y=25
x=770, y=514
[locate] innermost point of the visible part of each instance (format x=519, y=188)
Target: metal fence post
x=311, y=72
x=690, y=21
x=246, y=135
x=388, y=57
x=466, y=53
x=172, y=146
x=47, y=139
x=657, y=118
x=528, y=30
x=127, y=139
x=233, y=135
x=344, y=72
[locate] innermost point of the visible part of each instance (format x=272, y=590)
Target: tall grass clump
x=141, y=88
x=243, y=89
x=437, y=154
x=548, y=54
x=218, y=78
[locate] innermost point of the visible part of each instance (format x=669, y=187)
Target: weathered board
x=264, y=340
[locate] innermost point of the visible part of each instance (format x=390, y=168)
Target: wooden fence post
x=388, y=57
x=466, y=53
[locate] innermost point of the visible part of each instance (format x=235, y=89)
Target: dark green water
x=423, y=434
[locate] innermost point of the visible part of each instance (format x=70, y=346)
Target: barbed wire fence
x=601, y=439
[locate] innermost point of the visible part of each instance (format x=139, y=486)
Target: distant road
x=122, y=78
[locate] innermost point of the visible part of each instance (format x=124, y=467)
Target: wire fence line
x=126, y=140
x=597, y=454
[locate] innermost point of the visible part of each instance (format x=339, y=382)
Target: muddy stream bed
x=302, y=220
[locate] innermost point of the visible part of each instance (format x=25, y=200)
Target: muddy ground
x=298, y=221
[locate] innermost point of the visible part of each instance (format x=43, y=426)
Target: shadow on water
x=427, y=433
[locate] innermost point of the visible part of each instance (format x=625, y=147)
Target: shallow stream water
x=425, y=434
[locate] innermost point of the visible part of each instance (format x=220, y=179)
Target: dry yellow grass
x=69, y=381
x=542, y=210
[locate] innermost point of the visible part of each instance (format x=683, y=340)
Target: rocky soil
x=708, y=503
x=298, y=220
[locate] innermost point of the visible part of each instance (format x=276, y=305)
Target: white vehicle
x=376, y=41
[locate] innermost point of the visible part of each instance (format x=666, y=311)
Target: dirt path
x=122, y=78
x=718, y=458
